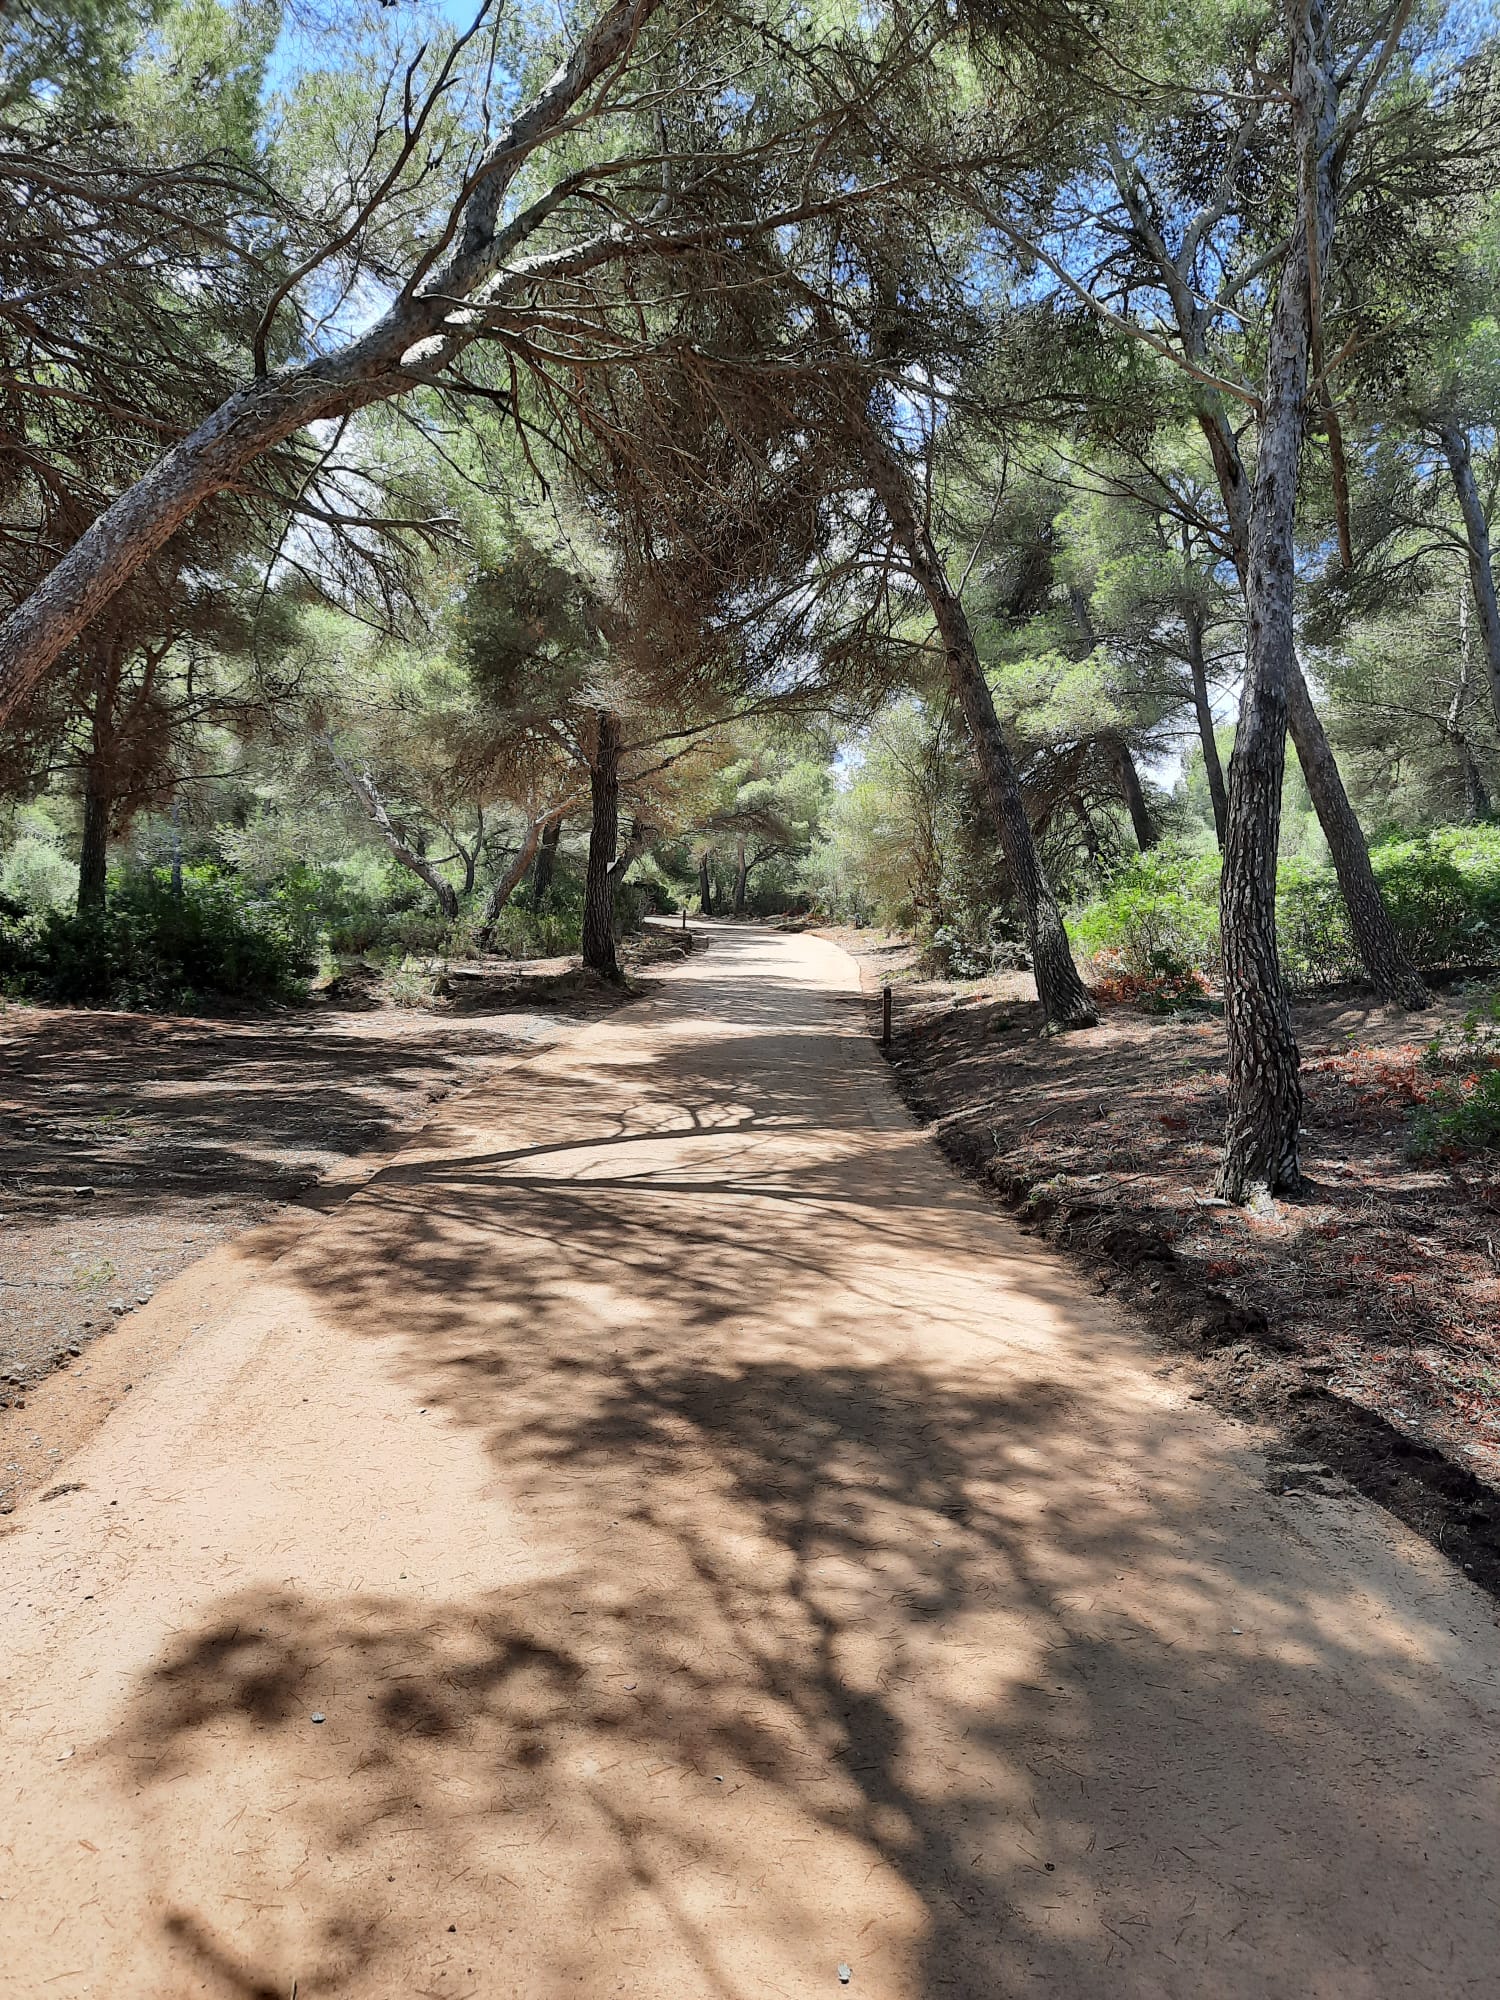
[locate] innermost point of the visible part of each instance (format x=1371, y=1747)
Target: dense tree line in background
x=997, y=471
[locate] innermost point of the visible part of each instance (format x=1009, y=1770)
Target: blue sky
x=285, y=59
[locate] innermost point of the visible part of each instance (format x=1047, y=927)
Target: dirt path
x=666, y=1537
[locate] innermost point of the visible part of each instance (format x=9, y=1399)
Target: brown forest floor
x=1363, y=1322
x=131, y=1145
x=665, y=1535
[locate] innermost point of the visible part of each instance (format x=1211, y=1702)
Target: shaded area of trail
x=718, y=1548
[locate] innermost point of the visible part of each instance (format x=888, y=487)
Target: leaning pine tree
x=1065, y=999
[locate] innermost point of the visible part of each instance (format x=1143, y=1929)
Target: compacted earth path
x=665, y=1536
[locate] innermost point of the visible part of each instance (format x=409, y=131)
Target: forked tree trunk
x=1389, y=970
x=1481, y=560
x=506, y=885
x=1133, y=793
x=546, y=866
x=604, y=834
x=705, y=887
x=1265, y=1090
x=1203, y=710
x=93, y=852
x=1064, y=997
x=366, y=791
x=641, y=836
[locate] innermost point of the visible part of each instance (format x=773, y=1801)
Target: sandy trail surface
x=665, y=1536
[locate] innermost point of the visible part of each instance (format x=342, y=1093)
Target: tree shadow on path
x=880, y=1608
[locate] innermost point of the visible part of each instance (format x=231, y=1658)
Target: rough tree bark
x=604, y=834
x=1203, y=710
x=93, y=852
x=546, y=866
x=1064, y=997
x=1395, y=979
x=1455, y=445
x=705, y=886
x=506, y=885
x=1265, y=1090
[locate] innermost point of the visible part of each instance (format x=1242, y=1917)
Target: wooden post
x=885, y=1017
x=684, y=916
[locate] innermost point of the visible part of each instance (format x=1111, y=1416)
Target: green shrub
x=152, y=948
x=520, y=933
x=1461, y=1115
x=424, y=932
x=1162, y=909
x=1443, y=893
x=37, y=875
x=414, y=982
x=1312, y=926
x=1460, y=1109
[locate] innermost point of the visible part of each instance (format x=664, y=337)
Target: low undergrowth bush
x=1461, y=1115
x=1442, y=890
x=1168, y=987
x=152, y=947
x=520, y=933
x=989, y=944
x=1460, y=1104
x=1161, y=914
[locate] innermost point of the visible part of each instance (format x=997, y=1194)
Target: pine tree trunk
x=604, y=834
x=546, y=866
x=1481, y=561
x=1477, y=803
x=641, y=836
x=1265, y=1090
x=741, y=878
x=705, y=887
x=1203, y=709
x=93, y=853
x=406, y=852
x=1064, y=997
x=506, y=885
x=383, y=360
x=1396, y=981
x=1133, y=794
